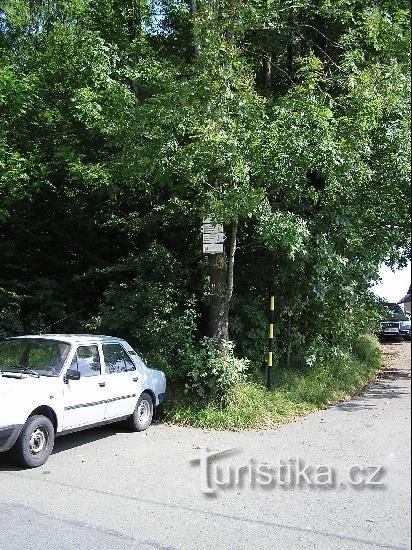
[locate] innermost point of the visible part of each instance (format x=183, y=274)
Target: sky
x=394, y=285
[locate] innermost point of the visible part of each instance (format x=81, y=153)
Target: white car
x=55, y=384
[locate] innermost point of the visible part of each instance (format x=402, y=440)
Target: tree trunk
x=267, y=66
x=289, y=342
x=221, y=265
x=193, y=7
x=221, y=290
x=193, y=13
x=218, y=308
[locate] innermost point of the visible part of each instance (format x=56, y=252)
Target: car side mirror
x=72, y=374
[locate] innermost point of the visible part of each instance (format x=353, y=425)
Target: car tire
x=35, y=442
x=143, y=413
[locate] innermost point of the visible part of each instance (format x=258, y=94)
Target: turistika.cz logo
x=293, y=472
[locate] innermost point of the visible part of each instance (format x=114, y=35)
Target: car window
x=46, y=357
x=395, y=308
x=116, y=359
x=86, y=361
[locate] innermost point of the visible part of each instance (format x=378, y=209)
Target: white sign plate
x=209, y=228
x=213, y=248
x=214, y=238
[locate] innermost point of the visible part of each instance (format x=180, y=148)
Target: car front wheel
x=143, y=413
x=35, y=442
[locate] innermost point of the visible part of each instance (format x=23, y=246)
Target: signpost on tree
x=221, y=276
x=213, y=237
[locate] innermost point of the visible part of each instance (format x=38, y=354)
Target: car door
x=123, y=381
x=85, y=399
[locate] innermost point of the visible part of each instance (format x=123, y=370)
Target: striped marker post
x=271, y=339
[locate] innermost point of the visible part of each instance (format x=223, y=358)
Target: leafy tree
x=124, y=123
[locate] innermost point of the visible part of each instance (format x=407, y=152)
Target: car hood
x=395, y=317
x=11, y=386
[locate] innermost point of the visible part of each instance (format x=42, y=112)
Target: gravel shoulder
x=114, y=489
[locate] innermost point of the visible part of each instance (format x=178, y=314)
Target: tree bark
x=267, y=67
x=232, y=252
x=218, y=307
x=193, y=13
x=289, y=341
x=193, y=7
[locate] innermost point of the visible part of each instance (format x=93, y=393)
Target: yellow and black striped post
x=271, y=338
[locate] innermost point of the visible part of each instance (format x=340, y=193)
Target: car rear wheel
x=35, y=442
x=143, y=413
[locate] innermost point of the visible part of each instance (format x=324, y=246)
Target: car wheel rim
x=143, y=411
x=38, y=441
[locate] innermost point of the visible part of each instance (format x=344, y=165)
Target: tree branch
x=231, y=260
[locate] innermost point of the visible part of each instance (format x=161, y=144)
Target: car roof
x=76, y=338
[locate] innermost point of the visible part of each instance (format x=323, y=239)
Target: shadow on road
x=85, y=437
x=383, y=388
x=68, y=442
x=75, y=440
x=377, y=391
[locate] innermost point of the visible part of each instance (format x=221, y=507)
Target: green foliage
x=250, y=405
x=145, y=304
x=249, y=327
x=120, y=129
x=365, y=349
x=10, y=305
x=212, y=372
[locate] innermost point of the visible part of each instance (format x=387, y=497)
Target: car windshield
x=394, y=308
x=35, y=356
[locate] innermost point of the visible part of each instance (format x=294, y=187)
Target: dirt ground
x=396, y=355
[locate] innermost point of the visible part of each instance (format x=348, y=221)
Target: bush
x=296, y=392
x=366, y=348
x=10, y=309
x=214, y=371
x=146, y=304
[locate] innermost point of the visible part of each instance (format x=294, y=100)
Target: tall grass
x=249, y=405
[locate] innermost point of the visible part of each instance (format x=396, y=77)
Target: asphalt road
x=110, y=489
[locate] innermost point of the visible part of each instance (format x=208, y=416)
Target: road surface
x=110, y=489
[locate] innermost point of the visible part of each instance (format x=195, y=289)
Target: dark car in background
x=395, y=322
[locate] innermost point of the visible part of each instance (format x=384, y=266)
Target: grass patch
x=249, y=405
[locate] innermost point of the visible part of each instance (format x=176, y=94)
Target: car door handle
x=135, y=379
x=102, y=384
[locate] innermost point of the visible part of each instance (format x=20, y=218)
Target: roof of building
x=407, y=297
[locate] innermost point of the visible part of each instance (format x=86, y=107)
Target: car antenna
x=63, y=319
